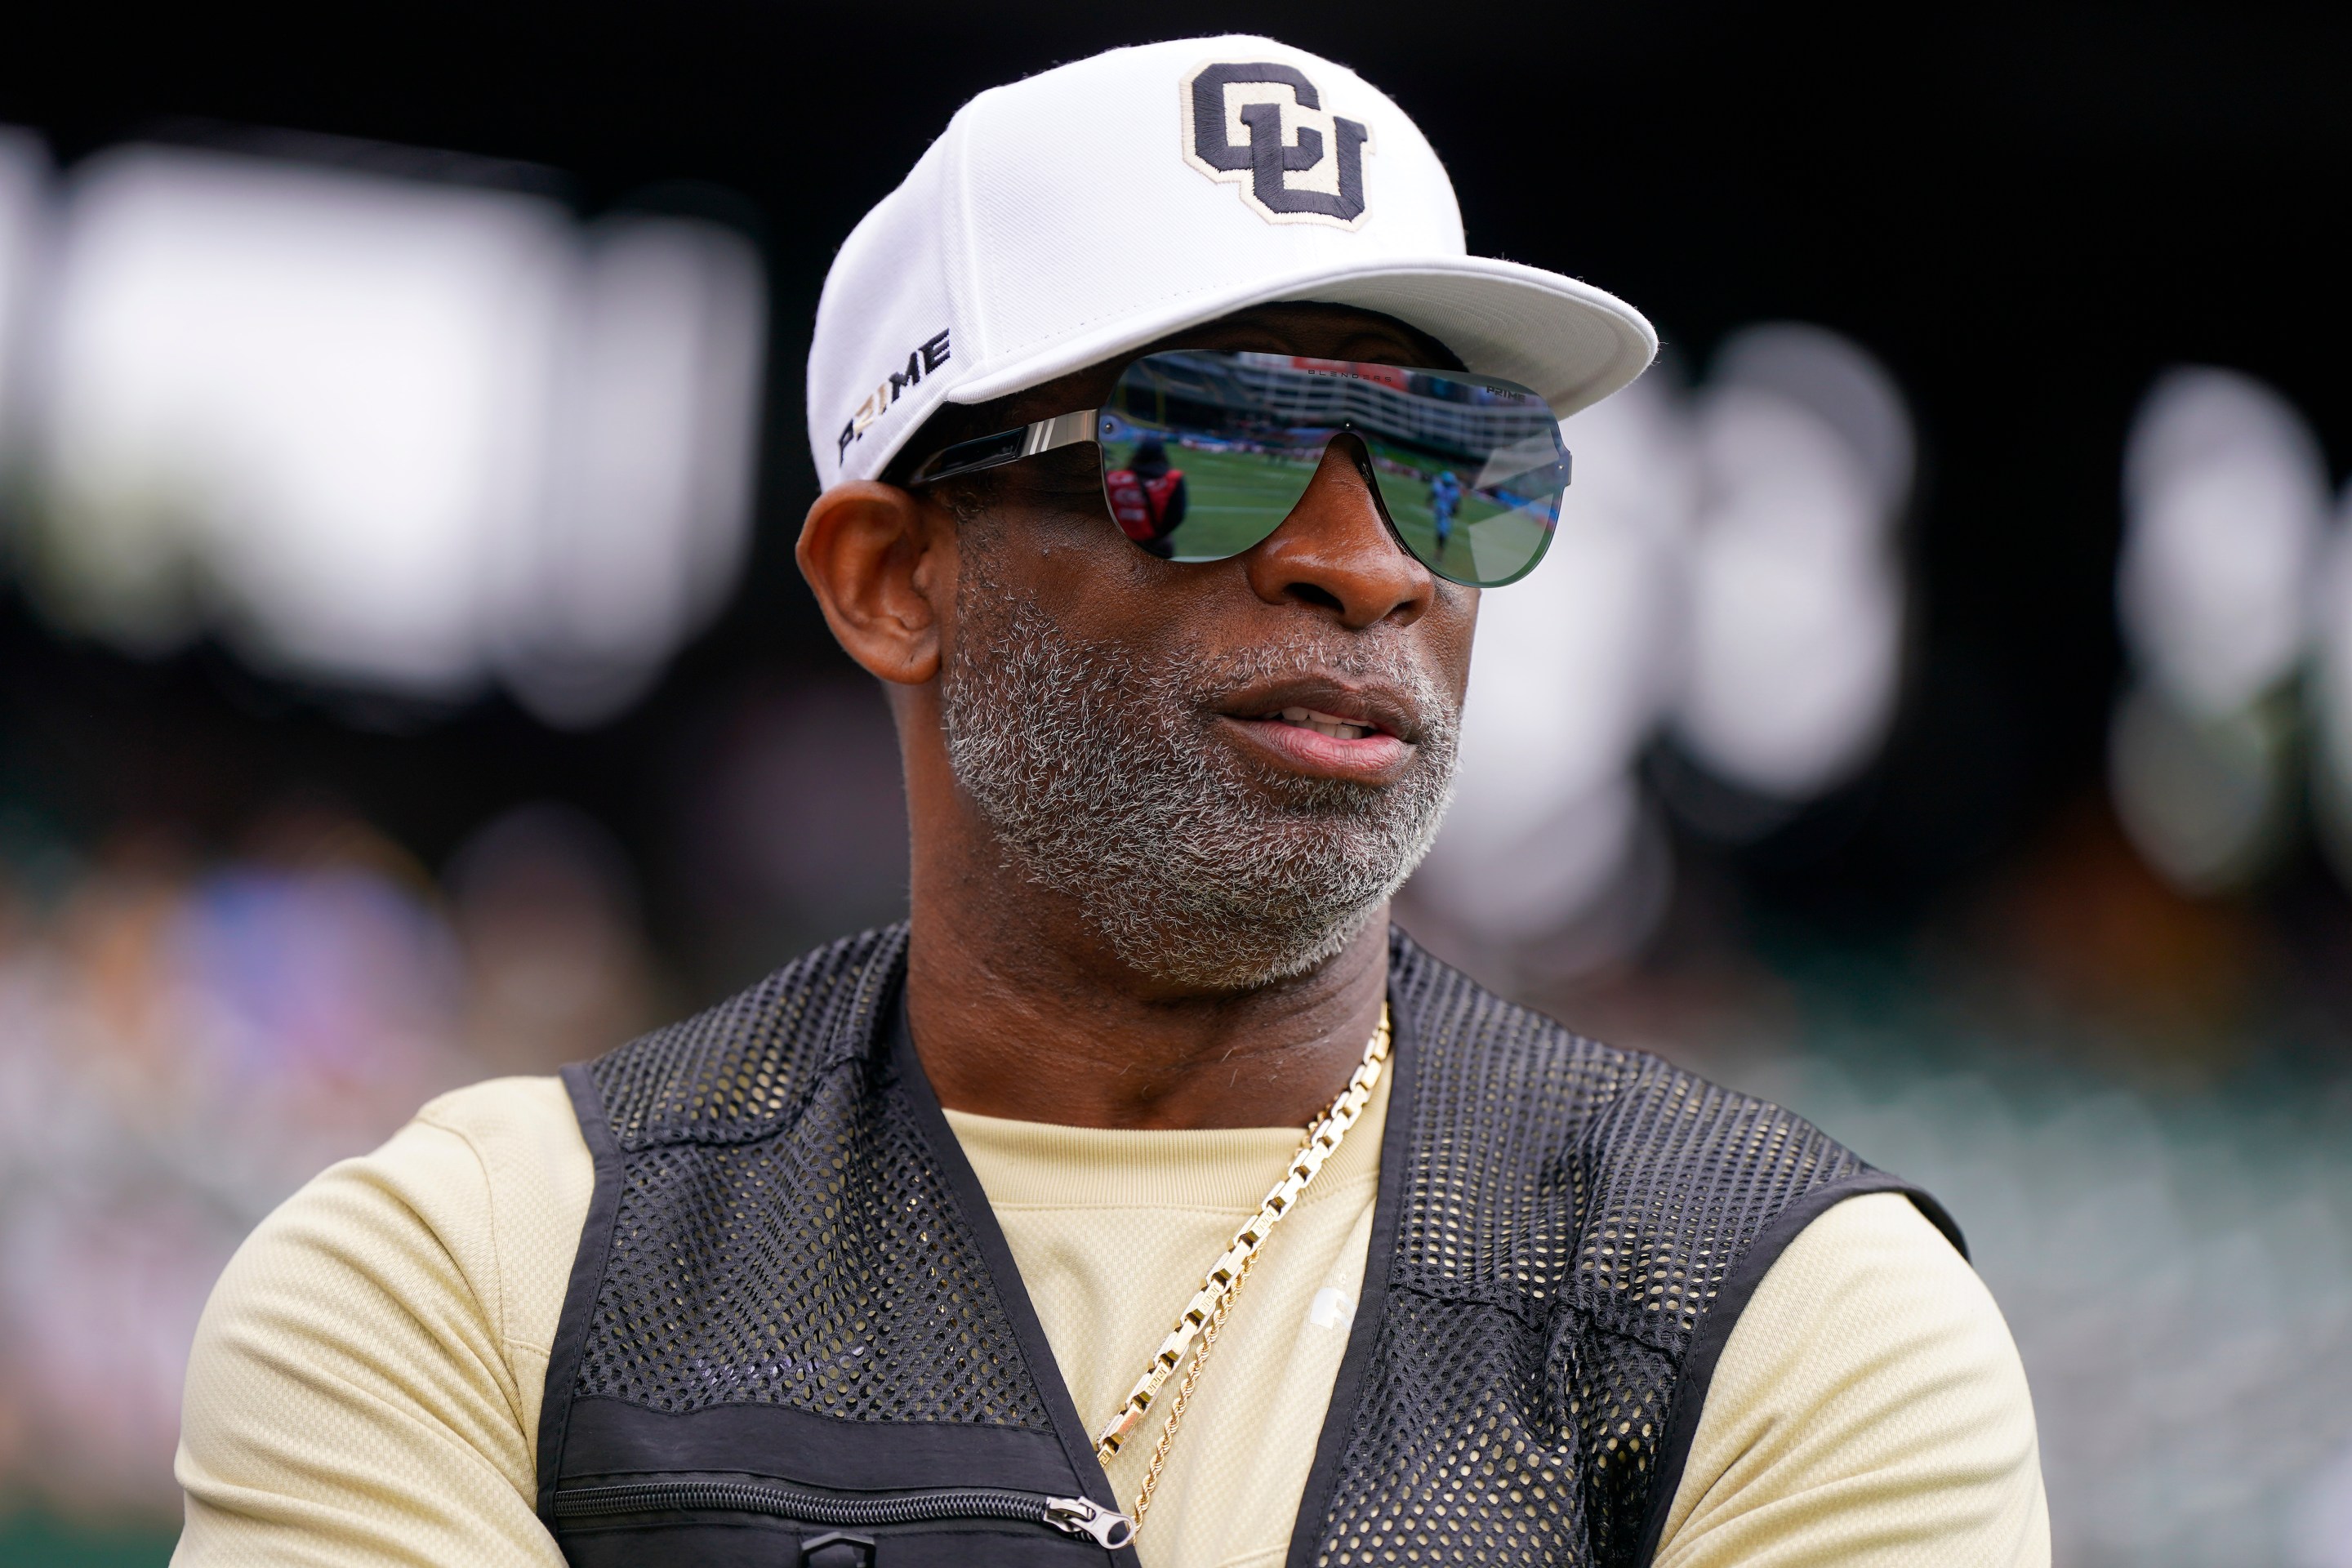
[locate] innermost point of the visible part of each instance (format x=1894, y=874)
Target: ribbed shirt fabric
x=367, y=1382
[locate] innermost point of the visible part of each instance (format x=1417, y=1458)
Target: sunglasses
x=1204, y=452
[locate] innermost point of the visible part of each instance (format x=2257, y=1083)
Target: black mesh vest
x=794, y=1334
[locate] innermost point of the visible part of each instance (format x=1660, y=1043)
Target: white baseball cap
x=1085, y=212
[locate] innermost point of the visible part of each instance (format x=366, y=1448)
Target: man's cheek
x=1456, y=639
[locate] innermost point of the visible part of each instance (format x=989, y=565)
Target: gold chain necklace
x=1203, y=1317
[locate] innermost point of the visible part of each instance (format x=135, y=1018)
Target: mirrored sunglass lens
x=1478, y=518
x=1196, y=464
x=1206, y=453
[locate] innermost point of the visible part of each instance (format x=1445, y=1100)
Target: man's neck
x=1016, y=1015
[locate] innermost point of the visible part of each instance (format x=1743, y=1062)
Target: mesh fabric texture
x=829, y=1271
x=1564, y=1217
x=1569, y=1212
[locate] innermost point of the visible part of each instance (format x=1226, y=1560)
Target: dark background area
x=2026, y=213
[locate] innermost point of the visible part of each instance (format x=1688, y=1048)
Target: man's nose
x=1334, y=552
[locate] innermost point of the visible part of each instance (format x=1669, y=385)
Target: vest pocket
x=944, y=1506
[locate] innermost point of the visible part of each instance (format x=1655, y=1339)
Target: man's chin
x=1230, y=959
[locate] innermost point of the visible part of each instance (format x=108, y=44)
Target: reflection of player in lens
x=1444, y=495
x=1147, y=497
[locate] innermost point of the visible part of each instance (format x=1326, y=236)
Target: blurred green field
x=37, y=1540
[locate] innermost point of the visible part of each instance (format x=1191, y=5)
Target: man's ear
x=882, y=563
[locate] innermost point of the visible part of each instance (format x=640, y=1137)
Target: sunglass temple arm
x=1006, y=446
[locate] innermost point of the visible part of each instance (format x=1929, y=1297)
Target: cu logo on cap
x=1263, y=127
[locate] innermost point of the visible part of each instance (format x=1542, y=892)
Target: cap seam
x=965, y=296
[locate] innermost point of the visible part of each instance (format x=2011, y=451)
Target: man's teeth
x=1324, y=724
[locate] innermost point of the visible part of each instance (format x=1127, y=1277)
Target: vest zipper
x=1071, y=1515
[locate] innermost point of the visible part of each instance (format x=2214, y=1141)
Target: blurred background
x=1936, y=713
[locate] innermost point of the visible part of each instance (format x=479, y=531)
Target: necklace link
x=1204, y=1315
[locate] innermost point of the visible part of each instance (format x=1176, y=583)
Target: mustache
x=1208, y=679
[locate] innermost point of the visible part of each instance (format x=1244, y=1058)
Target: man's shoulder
x=498, y=1109
x=1644, y=1174
x=743, y=1067
x=1563, y=1083
x=1873, y=1366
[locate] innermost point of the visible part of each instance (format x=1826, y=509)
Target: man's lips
x=1332, y=725
x=1323, y=727
x=1370, y=757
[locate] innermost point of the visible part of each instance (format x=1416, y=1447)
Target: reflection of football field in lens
x=1233, y=499
x=1488, y=540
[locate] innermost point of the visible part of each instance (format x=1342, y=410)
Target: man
x=1444, y=495
x=1147, y=497
x=1145, y=1197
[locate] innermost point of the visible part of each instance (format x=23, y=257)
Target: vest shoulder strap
x=1578, y=1229
x=748, y=1066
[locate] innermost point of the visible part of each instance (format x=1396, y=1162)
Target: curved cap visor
x=1573, y=343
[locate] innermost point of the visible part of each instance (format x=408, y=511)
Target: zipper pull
x=1083, y=1516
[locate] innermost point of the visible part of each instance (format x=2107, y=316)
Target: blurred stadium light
x=2331, y=694
x=2225, y=500
x=1796, y=589
x=1725, y=566
x=23, y=180
x=388, y=434
x=2225, y=509
x=650, y=495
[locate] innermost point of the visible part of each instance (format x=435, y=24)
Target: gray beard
x=1101, y=783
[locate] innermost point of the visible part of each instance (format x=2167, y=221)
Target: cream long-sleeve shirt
x=366, y=1383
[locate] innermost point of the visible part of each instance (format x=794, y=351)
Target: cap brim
x=1571, y=342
